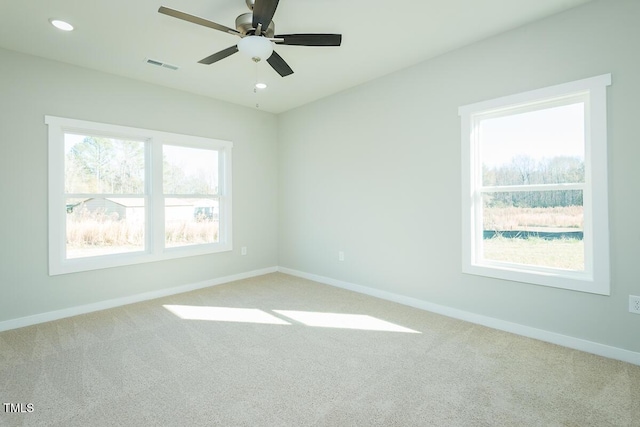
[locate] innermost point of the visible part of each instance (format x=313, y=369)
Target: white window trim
x=596, y=277
x=154, y=231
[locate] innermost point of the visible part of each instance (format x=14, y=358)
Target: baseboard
x=515, y=328
x=117, y=302
x=527, y=331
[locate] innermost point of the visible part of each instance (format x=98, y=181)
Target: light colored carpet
x=142, y=365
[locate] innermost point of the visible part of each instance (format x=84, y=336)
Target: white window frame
x=154, y=197
x=596, y=276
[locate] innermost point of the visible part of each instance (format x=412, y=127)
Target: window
x=121, y=195
x=534, y=184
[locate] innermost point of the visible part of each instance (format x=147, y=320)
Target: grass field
x=557, y=253
x=93, y=235
x=513, y=218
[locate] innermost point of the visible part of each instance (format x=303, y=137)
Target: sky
x=550, y=132
x=193, y=161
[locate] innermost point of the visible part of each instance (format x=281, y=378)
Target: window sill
x=570, y=280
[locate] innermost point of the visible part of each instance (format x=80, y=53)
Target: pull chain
x=255, y=86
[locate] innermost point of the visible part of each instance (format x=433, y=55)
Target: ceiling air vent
x=161, y=64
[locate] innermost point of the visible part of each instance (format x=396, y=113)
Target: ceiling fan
x=257, y=32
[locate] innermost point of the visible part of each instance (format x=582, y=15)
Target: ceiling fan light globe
x=255, y=47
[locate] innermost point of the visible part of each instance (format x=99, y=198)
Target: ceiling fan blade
x=263, y=11
x=310, y=39
x=197, y=20
x=219, y=55
x=279, y=64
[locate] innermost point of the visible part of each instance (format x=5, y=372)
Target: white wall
x=30, y=88
x=375, y=172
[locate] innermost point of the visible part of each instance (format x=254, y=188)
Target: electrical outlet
x=634, y=304
x=340, y=256
x=243, y=250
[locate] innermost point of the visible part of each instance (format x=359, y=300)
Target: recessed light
x=61, y=25
x=261, y=85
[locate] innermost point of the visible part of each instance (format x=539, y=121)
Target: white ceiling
x=379, y=37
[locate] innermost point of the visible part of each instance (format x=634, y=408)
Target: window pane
x=95, y=164
x=537, y=147
x=104, y=226
x=542, y=228
x=189, y=170
x=191, y=221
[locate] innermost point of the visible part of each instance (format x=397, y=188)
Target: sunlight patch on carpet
x=343, y=321
x=224, y=314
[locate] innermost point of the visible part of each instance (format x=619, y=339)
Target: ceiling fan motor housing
x=244, y=24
